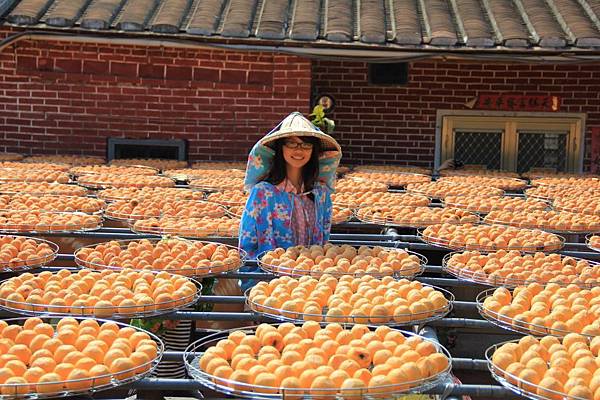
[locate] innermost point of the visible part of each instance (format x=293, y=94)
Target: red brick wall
x=396, y=124
x=60, y=97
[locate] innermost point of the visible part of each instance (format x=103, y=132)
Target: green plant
x=317, y=117
x=159, y=325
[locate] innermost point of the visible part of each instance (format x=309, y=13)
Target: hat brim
x=327, y=142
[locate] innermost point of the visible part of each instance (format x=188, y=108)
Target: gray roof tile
x=338, y=20
x=473, y=23
x=438, y=16
x=64, y=13
x=170, y=15
x=447, y=24
x=28, y=12
x=545, y=24
x=100, y=14
x=136, y=14
x=304, y=21
x=272, y=19
x=205, y=17
x=576, y=22
x=372, y=20
x=238, y=18
x=507, y=22
x=405, y=22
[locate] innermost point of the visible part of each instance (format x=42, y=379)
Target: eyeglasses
x=296, y=145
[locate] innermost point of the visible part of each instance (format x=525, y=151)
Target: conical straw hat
x=296, y=124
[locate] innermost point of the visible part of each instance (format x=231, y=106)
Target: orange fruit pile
x=116, y=180
x=360, y=300
x=72, y=160
x=441, y=190
x=487, y=204
x=550, y=367
x=58, y=203
x=415, y=216
x=542, y=172
x=490, y=237
x=357, y=199
x=576, y=181
x=42, y=188
x=589, y=204
x=554, y=192
x=103, y=294
x=172, y=255
x=8, y=156
x=44, y=166
x=194, y=227
x=186, y=174
x=339, y=260
x=389, y=178
x=479, y=172
x=142, y=208
x=319, y=361
x=219, y=165
x=40, y=221
x=112, y=170
x=340, y=214
x=497, y=182
x=217, y=183
x=134, y=209
x=512, y=268
x=549, y=309
x=355, y=186
x=192, y=209
x=237, y=211
x=393, y=168
x=547, y=220
x=228, y=197
x=594, y=242
x=157, y=163
x=19, y=251
x=22, y=175
x=75, y=355
x=149, y=193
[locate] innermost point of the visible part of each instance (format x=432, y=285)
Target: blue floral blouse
x=266, y=221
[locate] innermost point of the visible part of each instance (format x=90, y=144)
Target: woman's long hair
x=310, y=172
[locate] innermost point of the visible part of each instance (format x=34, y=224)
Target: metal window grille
x=542, y=149
x=478, y=147
x=174, y=149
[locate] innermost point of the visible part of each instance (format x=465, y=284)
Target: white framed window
x=511, y=141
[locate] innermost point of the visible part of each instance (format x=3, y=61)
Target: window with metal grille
x=542, y=150
x=481, y=148
x=173, y=149
x=511, y=141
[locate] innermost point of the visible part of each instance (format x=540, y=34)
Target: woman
x=290, y=177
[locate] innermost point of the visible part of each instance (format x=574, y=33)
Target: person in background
x=290, y=177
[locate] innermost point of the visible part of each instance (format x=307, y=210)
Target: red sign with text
x=515, y=102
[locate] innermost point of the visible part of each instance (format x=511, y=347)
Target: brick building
x=486, y=82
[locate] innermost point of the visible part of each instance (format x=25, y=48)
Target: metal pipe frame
x=255, y=317
x=457, y=363
x=391, y=238
x=491, y=391
x=449, y=282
